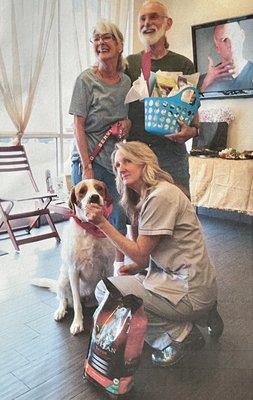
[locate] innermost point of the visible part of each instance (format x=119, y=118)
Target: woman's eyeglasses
x=105, y=37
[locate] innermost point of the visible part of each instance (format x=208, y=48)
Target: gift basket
x=174, y=98
x=163, y=113
x=169, y=98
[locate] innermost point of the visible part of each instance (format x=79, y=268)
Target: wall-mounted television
x=223, y=55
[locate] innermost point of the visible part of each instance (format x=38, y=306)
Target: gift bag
x=116, y=342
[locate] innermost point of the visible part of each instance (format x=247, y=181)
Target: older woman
x=179, y=289
x=97, y=103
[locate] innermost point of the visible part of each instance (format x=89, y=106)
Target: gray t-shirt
x=179, y=264
x=101, y=104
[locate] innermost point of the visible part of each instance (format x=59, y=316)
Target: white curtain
x=19, y=78
x=44, y=45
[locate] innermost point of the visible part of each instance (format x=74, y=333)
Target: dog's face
x=88, y=191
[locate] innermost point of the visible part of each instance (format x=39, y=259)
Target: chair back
x=13, y=159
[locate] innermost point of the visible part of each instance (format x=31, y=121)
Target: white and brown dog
x=87, y=255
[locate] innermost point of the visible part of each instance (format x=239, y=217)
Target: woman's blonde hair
x=104, y=26
x=140, y=154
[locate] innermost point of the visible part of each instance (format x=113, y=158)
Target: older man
x=153, y=24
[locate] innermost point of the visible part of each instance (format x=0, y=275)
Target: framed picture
x=223, y=55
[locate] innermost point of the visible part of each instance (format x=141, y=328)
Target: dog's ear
x=72, y=199
x=108, y=197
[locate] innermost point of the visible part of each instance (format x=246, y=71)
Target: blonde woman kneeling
x=179, y=289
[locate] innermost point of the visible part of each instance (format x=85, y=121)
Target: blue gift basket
x=162, y=113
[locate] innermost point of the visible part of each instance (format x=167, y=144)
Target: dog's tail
x=50, y=284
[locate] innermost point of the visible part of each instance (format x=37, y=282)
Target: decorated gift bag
x=116, y=342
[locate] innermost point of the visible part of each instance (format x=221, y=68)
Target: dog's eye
x=83, y=191
x=99, y=189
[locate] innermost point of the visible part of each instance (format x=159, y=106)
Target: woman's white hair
x=104, y=26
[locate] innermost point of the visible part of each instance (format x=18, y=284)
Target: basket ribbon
x=146, y=66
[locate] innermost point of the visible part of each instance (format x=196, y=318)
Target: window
x=48, y=133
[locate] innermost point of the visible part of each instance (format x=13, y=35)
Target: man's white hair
x=161, y=4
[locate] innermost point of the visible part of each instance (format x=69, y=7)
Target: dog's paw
x=76, y=327
x=60, y=314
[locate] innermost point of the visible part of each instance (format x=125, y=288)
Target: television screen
x=223, y=55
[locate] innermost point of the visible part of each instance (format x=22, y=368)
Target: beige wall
x=192, y=12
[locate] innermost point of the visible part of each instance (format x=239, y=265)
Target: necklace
x=111, y=79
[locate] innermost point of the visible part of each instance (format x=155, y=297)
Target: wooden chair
x=12, y=160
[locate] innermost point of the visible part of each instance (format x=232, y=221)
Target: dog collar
x=91, y=228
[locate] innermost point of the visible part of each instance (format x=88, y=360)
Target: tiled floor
x=41, y=360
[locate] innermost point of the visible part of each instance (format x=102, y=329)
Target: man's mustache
x=143, y=30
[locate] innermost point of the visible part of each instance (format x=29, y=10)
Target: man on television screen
x=234, y=72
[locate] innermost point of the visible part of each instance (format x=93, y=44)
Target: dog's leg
x=61, y=310
x=63, y=282
x=77, y=324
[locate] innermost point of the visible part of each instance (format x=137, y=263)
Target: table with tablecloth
x=225, y=184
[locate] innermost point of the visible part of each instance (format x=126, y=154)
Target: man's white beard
x=150, y=39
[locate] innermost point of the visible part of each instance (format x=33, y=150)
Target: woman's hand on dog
x=94, y=213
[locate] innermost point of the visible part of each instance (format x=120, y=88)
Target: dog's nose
x=94, y=198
